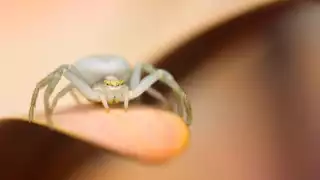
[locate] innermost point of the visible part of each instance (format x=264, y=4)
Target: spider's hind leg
x=135, y=81
x=67, y=89
x=75, y=96
x=166, y=78
x=59, y=95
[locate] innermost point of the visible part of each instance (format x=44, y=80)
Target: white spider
x=107, y=79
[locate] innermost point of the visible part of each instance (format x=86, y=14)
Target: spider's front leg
x=48, y=92
x=104, y=101
x=126, y=98
x=52, y=77
x=72, y=74
x=76, y=81
x=166, y=78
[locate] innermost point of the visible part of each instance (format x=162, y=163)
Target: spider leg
x=78, y=82
x=68, y=89
x=126, y=99
x=135, y=80
x=104, y=102
x=75, y=82
x=52, y=85
x=47, y=94
x=44, y=82
x=156, y=94
x=35, y=95
x=166, y=78
x=70, y=73
x=74, y=96
x=59, y=95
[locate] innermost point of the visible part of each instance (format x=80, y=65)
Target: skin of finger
x=148, y=134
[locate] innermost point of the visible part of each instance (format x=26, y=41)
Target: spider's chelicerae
x=107, y=79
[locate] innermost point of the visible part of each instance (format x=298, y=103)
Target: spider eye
x=107, y=82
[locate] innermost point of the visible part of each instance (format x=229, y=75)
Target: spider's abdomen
x=95, y=68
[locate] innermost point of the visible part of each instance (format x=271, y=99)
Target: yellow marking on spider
x=113, y=82
x=113, y=101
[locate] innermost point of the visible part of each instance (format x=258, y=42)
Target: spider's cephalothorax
x=115, y=90
x=119, y=83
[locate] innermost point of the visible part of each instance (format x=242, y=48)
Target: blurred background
x=37, y=36
x=249, y=67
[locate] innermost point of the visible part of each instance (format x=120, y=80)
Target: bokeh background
x=38, y=36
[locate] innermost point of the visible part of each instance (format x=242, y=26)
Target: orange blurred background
x=37, y=36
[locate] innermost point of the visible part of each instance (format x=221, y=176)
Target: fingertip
x=151, y=135
x=175, y=139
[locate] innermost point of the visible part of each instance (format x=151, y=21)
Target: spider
x=108, y=80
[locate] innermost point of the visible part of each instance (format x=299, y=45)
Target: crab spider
x=107, y=79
